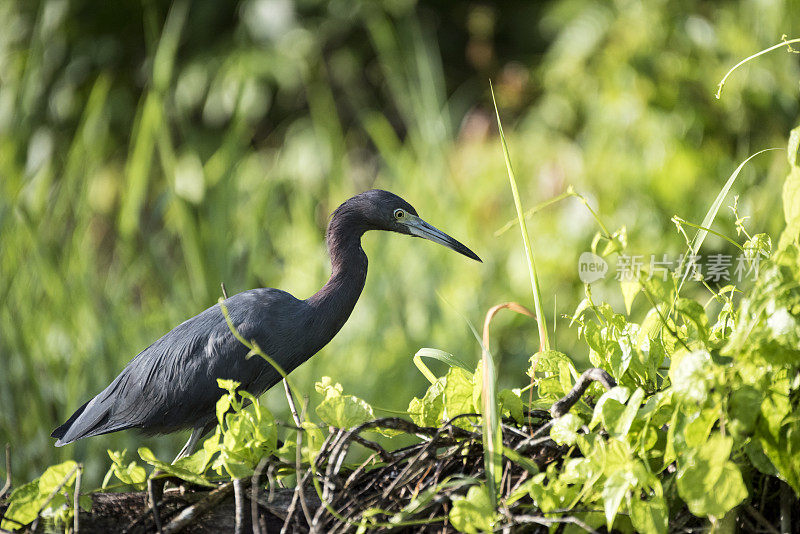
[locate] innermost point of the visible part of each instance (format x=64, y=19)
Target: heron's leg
x=191, y=445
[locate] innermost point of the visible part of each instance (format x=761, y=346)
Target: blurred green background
x=151, y=150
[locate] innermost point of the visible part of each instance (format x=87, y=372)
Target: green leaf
x=708, y=481
x=174, y=470
x=623, y=422
x=615, y=489
x=618, y=242
x=428, y=410
x=228, y=385
x=473, y=513
x=614, y=398
x=758, y=247
x=649, y=516
x=693, y=315
x=745, y=405
x=197, y=462
x=344, y=411
x=630, y=289
x=24, y=505
x=793, y=147
x=510, y=404
x=439, y=355
x=132, y=474
x=527, y=464
x=759, y=460
x=565, y=429
x=328, y=388
x=690, y=375
x=725, y=494
x=458, y=393
x=223, y=405
x=779, y=434
x=698, y=426
x=26, y=501
x=791, y=196
x=55, y=475
x=557, y=369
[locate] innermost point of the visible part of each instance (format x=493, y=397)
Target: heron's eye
x=399, y=214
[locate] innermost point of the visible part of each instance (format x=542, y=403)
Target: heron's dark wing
x=172, y=384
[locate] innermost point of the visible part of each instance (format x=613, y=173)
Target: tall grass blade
x=711, y=214
x=492, y=432
x=544, y=341
x=492, y=436
x=440, y=355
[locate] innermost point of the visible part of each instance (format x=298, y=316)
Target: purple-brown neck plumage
x=335, y=301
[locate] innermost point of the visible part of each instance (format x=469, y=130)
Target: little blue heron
x=172, y=384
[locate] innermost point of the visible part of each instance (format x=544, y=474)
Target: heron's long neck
x=333, y=303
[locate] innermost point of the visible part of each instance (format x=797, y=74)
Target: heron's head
x=386, y=211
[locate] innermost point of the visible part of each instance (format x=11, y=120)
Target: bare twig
x=76, y=504
x=271, y=480
x=190, y=513
x=786, y=498
x=238, y=499
x=298, y=456
x=385, y=456
x=224, y=293
x=154, y=496
x=292, y=406
x=254, y=491
x=563, y=405
x=755, y=514
x=293, y=505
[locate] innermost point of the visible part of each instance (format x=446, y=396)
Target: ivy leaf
x=630, y=289
x=565, y=429
x=694, y=315
x=690, y=376
x=328, y=388
x=758, y=247
x=25, y=502
x=458, y=394
x=510, y=404
x=428, y=410
x=615, y=489
x=614, y=398
x=132, y=474
x=55, y=475
x=173, y=469
x=473, y=513
x=649, y=516
x=345, y=411
x=708, y=481
x=619, y=428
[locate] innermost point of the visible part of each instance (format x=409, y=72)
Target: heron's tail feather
x=84, y=423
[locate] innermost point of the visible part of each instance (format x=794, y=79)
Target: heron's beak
x=420, y=228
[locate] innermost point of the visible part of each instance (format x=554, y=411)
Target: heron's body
x=172, y=384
